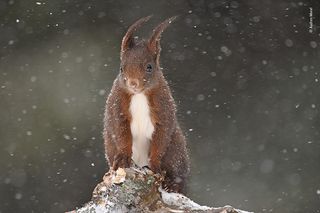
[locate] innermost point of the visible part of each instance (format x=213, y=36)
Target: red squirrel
x=140, y=122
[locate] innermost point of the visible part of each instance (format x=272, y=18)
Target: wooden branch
x=139, y=190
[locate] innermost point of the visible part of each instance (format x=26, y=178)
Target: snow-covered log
x=139, y=190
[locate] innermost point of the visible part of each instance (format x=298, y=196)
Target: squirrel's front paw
x=121, y=161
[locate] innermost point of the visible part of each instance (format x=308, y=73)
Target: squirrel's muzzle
x=133, y=84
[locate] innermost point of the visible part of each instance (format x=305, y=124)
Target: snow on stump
x=139, y=190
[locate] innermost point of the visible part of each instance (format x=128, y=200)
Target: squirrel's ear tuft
x=128, y=40
x=154, y=41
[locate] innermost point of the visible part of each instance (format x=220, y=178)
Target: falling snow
x=288, y=42
x=245, y=79
x=67, y=137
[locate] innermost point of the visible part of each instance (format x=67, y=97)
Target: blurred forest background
x=245, y=76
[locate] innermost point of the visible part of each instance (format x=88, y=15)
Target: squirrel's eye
x=121, y=69
x=149, y=68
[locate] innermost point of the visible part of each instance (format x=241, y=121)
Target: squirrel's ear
x=154, y=41
x=128, y=41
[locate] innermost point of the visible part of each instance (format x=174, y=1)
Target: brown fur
x=168, y=152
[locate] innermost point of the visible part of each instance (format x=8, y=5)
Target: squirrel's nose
x=133, y=83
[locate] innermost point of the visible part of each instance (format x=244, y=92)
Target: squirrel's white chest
x=141, y=129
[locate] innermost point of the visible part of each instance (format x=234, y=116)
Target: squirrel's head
x=139, y=68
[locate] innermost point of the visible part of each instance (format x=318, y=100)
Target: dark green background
x=245, y=76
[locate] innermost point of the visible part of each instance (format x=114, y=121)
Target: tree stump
x=139, y=190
